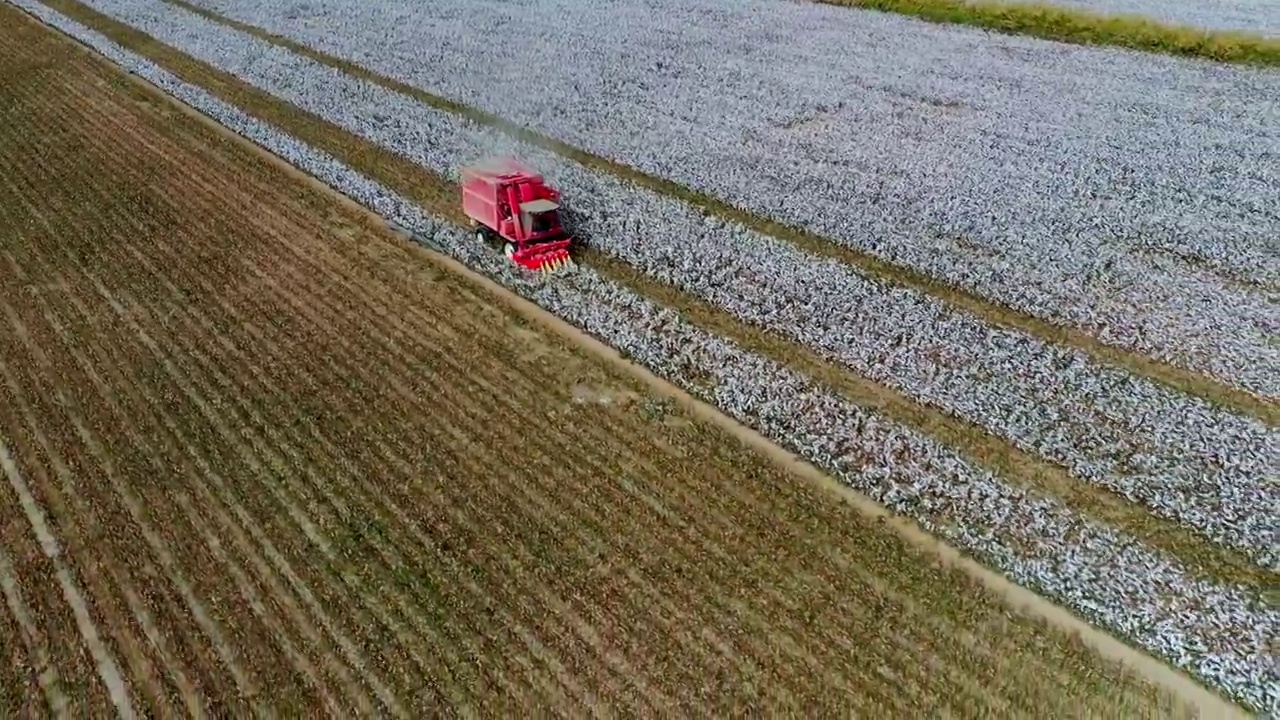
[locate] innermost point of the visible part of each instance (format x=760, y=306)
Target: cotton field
x=1129, y=196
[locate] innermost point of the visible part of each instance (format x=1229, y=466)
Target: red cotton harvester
x=509, y=203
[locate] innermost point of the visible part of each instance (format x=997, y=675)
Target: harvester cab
x=510, y=204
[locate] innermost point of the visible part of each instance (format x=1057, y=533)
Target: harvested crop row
x=1128, y=195
x=95, y=389
x=1188, y=461
x=1109, y=577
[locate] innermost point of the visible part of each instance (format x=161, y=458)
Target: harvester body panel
x=514, y=203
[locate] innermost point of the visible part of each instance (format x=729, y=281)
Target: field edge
x=1047, y=21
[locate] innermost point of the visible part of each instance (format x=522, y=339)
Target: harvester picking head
x=545, y=258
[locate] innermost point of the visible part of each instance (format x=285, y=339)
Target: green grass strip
x=1052, y=22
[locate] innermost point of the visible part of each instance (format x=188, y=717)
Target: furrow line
x=122, y=576
x=768, y=631
x=185, y=590
x=107, y=573
x=247, y=522
x=97, y=228
x=96, y=642
x=179, y=436
x=107, y=668
x=204, y=471
x=34, y=643
x=36, y=573
x=199, y=520
x=245, y=586
x=193, y=700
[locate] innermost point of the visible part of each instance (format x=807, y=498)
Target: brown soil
x=258, y=453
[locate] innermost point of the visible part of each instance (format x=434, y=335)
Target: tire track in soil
x=90, y=225
x=254, y=526
x=167, y=685
x=27, y=672
x=156, y=149
x=44, y=500
x=110, y=532
x=104, y=663
x=244, y=583
x=137, y=400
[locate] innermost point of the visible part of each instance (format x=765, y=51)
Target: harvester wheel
x=481, y=236
x=510, y=251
